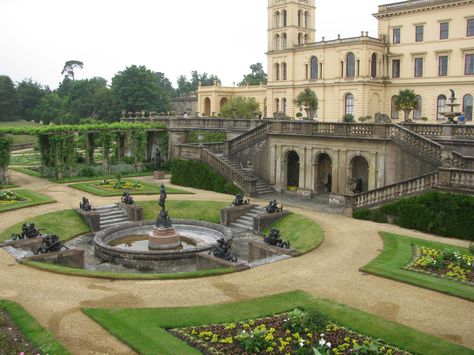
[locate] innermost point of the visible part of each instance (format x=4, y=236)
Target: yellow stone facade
x=424, y=45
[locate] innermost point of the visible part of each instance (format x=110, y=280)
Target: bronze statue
x=127, y=198
x=85, y=205
x=222, y=250
x=272, y=207
x=158, y=159
x=239, y=200
x=163, y=197
x=51, y=243
x=274, y=239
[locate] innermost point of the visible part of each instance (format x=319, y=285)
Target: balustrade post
x=226, y=148
x=444, y=177
x=341, y=130
x=447, y=130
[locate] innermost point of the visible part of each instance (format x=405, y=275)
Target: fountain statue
x=164, y=235
x=451, y=115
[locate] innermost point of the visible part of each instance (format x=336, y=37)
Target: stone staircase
x=262, y=187
x=245, y=222
x=111, y=215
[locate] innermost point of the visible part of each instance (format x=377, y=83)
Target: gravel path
x=331, y=272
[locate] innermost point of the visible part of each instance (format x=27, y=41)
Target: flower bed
x=448, y=263
x=295, y=332
x=8, y=198
x=121, y=185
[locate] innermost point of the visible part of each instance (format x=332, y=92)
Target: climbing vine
x=106, y=143
x=139, y=140
x=5, y=146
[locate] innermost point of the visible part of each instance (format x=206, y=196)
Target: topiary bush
x=433, y=212
x=199, y=175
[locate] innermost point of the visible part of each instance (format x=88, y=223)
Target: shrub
x=199, y=175
x=348, y=118
x=471, y=247
x=87, y=171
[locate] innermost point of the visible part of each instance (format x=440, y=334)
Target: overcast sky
x=221, y=37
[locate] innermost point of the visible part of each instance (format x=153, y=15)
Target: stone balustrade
x=453, y=178
x=246, y=139
x=441, y=130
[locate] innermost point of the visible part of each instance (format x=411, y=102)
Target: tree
x=308, y=101
x=51, y=109
x=10, y=102
x=137, y=88
x=65, y=87
x=186, y=86
x=30, y=93
x=256, y=77
x=240, y=107
x=81, y=98
x=407, y=102
x=69, y=67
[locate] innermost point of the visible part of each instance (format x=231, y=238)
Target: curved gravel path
x=331, y=272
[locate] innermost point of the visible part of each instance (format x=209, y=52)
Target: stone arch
x=323, y=174
x=207, y=107
x=292, y=160
x=359, y=171
x=224, y=100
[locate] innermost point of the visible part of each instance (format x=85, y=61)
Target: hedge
x=444, y=214
x=199, y=175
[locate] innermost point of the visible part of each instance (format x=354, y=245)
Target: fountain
x=451, y=115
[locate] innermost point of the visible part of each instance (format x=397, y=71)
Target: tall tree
x=81, y=99
x=186, y=86
x=30, y=93
x=308, y=101
x=240, y=107
x=137, y=88
x=10, y=102
x=256, y=77
x=70, y=66
x=407, y=102
x=51, y=109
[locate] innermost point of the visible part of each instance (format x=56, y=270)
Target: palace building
x=424, y=45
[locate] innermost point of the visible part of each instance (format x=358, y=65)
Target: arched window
x=277, y=72
x=283, y=105
x=285, y=40
x=300, y=38
x=277, y=19
x=306, y=19
x=373, y=66
x=418, y=111
x=349, y=104
x=441, y=106
x=283, y=15
x=284, y=73
x=394, y=111
x=306, y=38
x=277, y=42
x=300, y=15
x=277, y=105
x=314, y=68
x=350, y=65
x=467, y=107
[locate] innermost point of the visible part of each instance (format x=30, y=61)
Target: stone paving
x=331, y=271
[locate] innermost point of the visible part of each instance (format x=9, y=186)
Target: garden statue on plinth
x=28, y=230
x=163, y=236
x=127, y=198
x=85, y=205
x=274, y=239
x=239, y=200
x=158, y=174
x=272, y=207
x=222, y=250
x=51, y=244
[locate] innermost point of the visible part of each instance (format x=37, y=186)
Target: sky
x=220, y=37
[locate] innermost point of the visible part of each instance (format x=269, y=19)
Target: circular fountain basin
x=127, y=244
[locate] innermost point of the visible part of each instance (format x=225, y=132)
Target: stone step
x=107, y=225
x=102, y=208
x=113, y=218
x=245, y=218
x=241, y=225
x=111, y=213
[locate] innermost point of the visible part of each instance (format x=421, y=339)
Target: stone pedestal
x=163, y=239
x=159, y=174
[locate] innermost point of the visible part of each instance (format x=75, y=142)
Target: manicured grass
x=67, y=224
x=304, y=234
x=397, y=253
x=9, y=186
x=144, y=330
x=208, y=211
x=25, y=171
x=34, y=199
x=32, y=330
x=25, y=159
x=150, y=189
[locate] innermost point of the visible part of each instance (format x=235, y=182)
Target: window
x=417, y=112
x=469, y=65
x=277, y=72
x=467, y=107
x=277, y=42
x=277, y=20
x=441, y=105
x=283, y=104
x=396, y=36
x=283, y=14
x=277, y=105
x=396, y=68
x=394, y=111
x=306, y=38
x=443, y=65
x=283, y=71
x=350, y=65
x=306, y=19
x=444, y=30
x=349, y=104
x=373, y=66
x=470, y=27
x=314, y=68
x=419, y=33
x=306, y=71
x=418, y=67
x=285, y=41
x=300, y=38
x=300, y=15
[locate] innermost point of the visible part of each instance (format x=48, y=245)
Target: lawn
x=304, y=234
x=144, y=330
x=135, y=187
x=32, y=199
x=25, y=159
x=398, y=253
x=31, y=330
x=66, y=224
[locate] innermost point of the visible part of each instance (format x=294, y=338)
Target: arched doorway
x=207, y=107
x=323, y=173
x=359, y=169
x=223, y=102
x=293, y=170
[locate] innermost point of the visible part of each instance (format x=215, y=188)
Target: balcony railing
x=408, y=4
